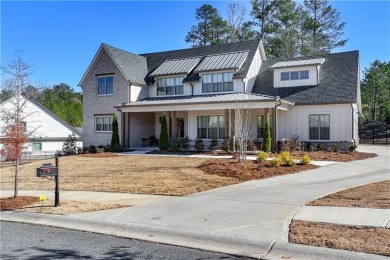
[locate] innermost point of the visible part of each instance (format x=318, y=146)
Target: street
x=22, y=241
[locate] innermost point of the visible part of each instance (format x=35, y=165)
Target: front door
x=180, y=127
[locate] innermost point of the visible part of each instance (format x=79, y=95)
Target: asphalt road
x=22, y=241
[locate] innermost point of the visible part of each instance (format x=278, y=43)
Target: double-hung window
x=217, y=82
x=211, y=127
x=105, y=85
x=319, y=127
x=170, y=86
x=261, y=125
x=103, y=123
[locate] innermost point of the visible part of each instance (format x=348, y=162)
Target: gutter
x=192, y=89
x=243, y=87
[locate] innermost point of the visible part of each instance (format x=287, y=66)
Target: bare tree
x=13, y=115
x=243, y=129
x=235, y=18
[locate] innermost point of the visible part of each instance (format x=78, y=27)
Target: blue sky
x=60, y=38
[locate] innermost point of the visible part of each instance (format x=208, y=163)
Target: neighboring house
x=47, y=131
x=200, y=90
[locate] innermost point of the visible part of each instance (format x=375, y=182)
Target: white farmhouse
x=48, y=131
x=199, y=89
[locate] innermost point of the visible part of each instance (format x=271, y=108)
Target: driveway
x=260, y=209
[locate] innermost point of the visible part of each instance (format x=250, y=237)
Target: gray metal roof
x=339, y=81
x=215, y=98
x=298, y=63
x=223, y=61
x=177, y=66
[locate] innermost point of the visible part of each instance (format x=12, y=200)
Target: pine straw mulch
x=249, y=170
x=334, y=156
x=374, y=195
x=32, y=204
x=354, y=238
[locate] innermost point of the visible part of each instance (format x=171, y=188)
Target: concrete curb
x=234, y=245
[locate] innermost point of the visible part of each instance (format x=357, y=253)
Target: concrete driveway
x=260, y=209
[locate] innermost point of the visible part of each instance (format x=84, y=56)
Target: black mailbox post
x=47, y=170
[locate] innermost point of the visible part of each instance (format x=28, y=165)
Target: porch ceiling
x=203, y=102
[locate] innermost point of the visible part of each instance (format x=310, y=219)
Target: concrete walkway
x=250, y=218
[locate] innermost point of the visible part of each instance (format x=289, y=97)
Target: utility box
x=47, y=170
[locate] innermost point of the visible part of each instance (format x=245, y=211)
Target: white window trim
x=174, y=76
x=211, y=73
x=289, y=75
x=208, y=127
x=97, y=85
x=98, y=116
x=330, y=132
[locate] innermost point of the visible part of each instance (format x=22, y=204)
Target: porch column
x=174, y=125
x=274, y=119
x=227, y=123
x=122, y=137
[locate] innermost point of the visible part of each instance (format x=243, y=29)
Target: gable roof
x=47, y=111
x=338, y=81
x=133, y=67
x=177, y=66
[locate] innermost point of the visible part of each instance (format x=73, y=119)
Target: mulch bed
x=249, y=170
x=99, y=155
x=334, y=156
x=17, y=203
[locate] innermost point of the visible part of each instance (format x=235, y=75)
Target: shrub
x=267, y=136
x=352, y=148
x=115, y=132
x=92, y=149
x=291, y=144
x=176, y=145
x=164, y=144
x=85, y=149
x=286, y=159
x=335, y=148
x=70, y=145
x=305, y=160
x=320, y=147
x=309, y=147
x=213, y=144
x=226, y=144
x=107, y=148
x=100, y=150
x=276, y=162
x=199, y=146
x=262, y=157
x=185, y=143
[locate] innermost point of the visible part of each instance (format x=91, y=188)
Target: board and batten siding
x=295, y=121
x=253, y=71
x=313, y=77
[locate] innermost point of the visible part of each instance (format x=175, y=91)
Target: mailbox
x=46, y=170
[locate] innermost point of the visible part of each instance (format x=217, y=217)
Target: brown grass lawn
x=129, y=174
x=374, y=195
x=354, y=238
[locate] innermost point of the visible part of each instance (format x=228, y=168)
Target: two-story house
x=200, y=90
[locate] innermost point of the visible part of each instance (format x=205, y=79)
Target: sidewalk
x=250, y=218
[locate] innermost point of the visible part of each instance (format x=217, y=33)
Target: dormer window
x=170, y=86
x=217, y=82
x=294, y=75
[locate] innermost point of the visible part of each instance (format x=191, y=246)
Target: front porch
x=141, y=121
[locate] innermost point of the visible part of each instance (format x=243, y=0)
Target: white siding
x=293, y=83
x=296, y=121
x=253, y=71
x=137, y=93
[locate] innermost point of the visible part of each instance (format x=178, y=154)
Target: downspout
x=243, y=86
x=274, y=123
x=192, y=89
x=353, y=124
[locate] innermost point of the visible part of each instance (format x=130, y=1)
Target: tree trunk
x=16, y=178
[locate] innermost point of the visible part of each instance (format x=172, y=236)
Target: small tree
x=163, y=144
x=115, y=133
x=243, y=129
x=267, y=136
x=70, y=145
x=14, y=132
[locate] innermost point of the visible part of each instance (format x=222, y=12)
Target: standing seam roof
x=223, y=61
x=180, y=66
